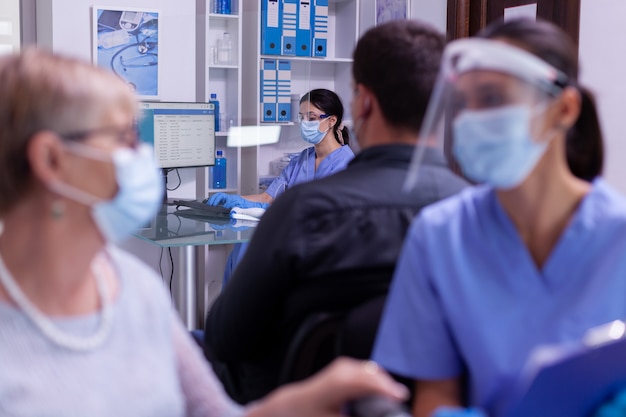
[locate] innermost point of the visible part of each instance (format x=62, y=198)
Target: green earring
x=57, y=210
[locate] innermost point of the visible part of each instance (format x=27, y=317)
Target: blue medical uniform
x=300, y=169
x=466, y=291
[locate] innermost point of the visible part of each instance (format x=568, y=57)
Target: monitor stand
x=164, y=172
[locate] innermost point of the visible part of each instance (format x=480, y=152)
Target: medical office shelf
x=222, y=79
x=312, y=60
x=216, y=66
x=226, y=82
x=332, y=72
x=223, y=16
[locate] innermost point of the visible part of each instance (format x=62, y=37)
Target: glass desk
x=175, y=228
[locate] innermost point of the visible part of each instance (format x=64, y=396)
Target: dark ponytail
x=584, y=142
x=584, y=146
x=330, y=103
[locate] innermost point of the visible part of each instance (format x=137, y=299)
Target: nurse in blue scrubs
x=320, y=116
x=536, y=254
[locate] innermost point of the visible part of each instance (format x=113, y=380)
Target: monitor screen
x=183, y=134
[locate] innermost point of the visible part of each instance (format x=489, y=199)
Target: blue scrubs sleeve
x=413, y=339
x=280, y=184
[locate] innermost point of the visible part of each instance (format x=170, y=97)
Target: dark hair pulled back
x=584, y=142
x=330, y=103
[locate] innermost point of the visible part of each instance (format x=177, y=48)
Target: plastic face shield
x=481, y=74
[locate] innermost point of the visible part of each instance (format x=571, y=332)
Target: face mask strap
x=551, y=131
x=87, y=151
x=75, y=194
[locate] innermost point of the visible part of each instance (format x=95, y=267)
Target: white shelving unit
x=224, y=80
x=332, y=72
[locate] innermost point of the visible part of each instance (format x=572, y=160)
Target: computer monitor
x=183, y=134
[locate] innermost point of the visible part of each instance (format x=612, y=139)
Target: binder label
x=305, y=16
x=272, y=14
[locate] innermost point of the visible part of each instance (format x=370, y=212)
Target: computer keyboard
x=200, y=209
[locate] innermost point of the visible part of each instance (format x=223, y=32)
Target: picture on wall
x=126, y=41
x=388, y=10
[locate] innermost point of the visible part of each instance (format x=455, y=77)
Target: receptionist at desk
x=321, y=115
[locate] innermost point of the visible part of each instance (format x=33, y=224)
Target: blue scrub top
x=302, y=169
x=466, y=291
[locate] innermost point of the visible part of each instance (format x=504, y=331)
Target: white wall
x=603, y=64
x=65, y=26
x=431, y=11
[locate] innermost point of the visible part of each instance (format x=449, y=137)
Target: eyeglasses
x=311, y=117
x=125, y=136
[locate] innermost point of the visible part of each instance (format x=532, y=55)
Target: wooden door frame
x=467, y=17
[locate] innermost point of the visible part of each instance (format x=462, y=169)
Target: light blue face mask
x=310, y=131
x=496, y=146
x=139, y=196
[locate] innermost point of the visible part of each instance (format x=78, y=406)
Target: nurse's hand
x=231, y=201
x=457, y=412
x=616, y=407
x=223, y=199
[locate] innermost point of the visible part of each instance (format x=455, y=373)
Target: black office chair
x=357, y=333
x=323, y=336
x=312, y=347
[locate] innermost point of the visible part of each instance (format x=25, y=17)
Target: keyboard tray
x=200, y=209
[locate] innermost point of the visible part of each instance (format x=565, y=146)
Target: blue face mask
x=496, y=146
x=310, y=131
x=139, y=196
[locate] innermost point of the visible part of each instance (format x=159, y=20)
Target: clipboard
x=573, y=381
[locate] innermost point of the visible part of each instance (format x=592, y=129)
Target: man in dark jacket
x=331, y=244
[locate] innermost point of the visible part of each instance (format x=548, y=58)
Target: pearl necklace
x=47, y=327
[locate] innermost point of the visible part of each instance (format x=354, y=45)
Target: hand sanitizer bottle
x=219, y=171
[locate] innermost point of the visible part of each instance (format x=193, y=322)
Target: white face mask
x=496, y=146
x=139, y=196
x=310, y=131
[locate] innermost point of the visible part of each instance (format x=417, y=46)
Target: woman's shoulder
x=129, y=261
x=305, y=152
x=298, y=158
x=606, y=202
x=345, y=150
x=340, y=158
x=466, y=204
x=136, y=276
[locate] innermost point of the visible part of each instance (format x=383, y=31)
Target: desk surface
x=169, y=228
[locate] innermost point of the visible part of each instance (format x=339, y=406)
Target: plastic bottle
x=219, y=171
x=224, y=49
x=215, y=6
x=217, y=111
x=224, y=6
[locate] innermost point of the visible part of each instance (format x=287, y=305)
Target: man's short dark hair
x=399, y=61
